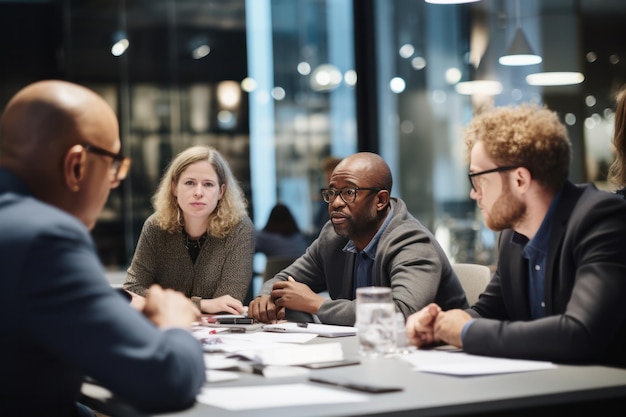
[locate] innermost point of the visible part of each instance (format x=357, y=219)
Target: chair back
x=275, y=264
x=474, y=278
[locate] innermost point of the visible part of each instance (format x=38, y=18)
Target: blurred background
x=278, y=85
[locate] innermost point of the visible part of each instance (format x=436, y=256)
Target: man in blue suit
x=559, y=288
x=59, y=318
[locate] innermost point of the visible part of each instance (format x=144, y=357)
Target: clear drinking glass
x=375, y=321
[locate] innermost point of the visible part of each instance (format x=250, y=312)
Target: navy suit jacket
x=60, y=320
x=585, y=289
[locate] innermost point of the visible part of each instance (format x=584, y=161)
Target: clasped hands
x=285, y=294
x=166, y=307
x=431, y=325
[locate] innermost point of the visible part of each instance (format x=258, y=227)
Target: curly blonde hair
x=617, y=170
x=527, y=136
x=231, y=208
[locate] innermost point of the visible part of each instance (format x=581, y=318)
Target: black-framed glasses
x=348, y=195
x=471, y=175
x=121, y=163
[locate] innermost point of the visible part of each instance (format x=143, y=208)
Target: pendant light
x=520, y=52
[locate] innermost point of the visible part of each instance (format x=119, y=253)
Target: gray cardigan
x=408, y=259
x=224, y=265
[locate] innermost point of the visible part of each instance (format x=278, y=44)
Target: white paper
x=244, y=398
x=294, y=354
x=459, y=363
x=219, y=376
x=202, y=332
x=220, y=361
x=324, y=330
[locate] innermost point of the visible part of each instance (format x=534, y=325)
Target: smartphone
x=236, y=320
x=331, y=364
x=359, y=386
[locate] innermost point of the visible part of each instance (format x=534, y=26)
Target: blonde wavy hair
x=526, y=136
x=231, y=208
x=617, y=170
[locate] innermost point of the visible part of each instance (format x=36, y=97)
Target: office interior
x=278, y=85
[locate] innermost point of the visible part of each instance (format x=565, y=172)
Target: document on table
x=294, y=354
x=463, y=364
x=324, y=330
x=244, y=398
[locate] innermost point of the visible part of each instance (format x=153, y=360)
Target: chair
x=474, y=278
x=275, y=264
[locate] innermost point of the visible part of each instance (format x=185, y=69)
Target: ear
x=74, y=167
x=382, y=200
x=222, y=191
x=174, y=188
x=522, y=179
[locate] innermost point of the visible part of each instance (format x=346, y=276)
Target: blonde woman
x=617, y=170
x=200, y=239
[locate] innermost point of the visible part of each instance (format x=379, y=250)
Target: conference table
x=597, y=390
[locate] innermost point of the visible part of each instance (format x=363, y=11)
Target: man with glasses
x=371, y=239
x=560, y=284
x=61, y=320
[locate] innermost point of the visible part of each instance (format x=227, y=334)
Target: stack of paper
x=325, y=330
x=295, y=354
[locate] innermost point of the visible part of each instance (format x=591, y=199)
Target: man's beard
x=506, y=211
x=346, y=230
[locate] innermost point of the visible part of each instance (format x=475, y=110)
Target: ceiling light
x=520, y=52
x=481, y=87
x=555, y=78
x=120, y=43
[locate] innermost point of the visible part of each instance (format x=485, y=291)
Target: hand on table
x=223, y=304
x=296, y=296
x=169, y=308
x=420, y=326
x=449, y=326
x=263, y=310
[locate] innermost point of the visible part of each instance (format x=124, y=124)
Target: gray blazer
x=408, y=259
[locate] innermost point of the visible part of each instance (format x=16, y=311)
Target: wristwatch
x=196, y=301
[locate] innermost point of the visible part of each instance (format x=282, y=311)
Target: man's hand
x=296, y=296
x=263, y=310
x=420, y=326
x=137, y=301
x=449, y=325
x=169, y=308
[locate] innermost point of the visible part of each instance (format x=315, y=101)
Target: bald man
x=369, y=232
x=61, y=320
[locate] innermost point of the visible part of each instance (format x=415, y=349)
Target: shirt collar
x=370, y=249
x=541, y=238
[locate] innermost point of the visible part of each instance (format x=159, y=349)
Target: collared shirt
x=535, y=252
x=364, y=260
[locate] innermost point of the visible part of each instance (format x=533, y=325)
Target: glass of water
x=375, y=321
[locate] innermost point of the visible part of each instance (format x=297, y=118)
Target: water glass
x=375, y=321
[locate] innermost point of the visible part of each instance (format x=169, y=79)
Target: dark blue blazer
x=60, y=320
x=585, y=289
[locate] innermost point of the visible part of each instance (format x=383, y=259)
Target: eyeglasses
x=121, y=164
x=471, y=175
x=348, y=195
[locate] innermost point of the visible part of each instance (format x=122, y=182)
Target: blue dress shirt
x=534, y=252
x=364, y=260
